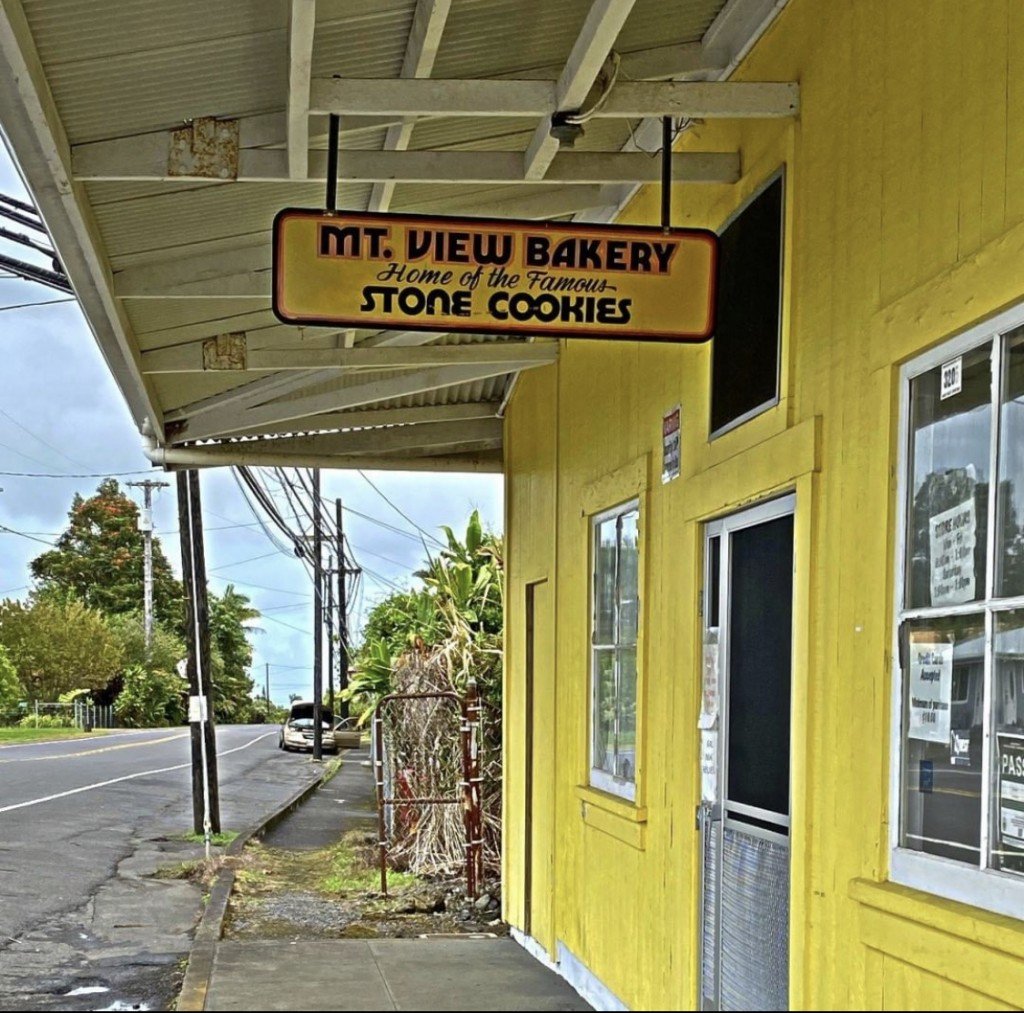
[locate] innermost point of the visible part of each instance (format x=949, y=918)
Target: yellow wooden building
x=901, y=229
x=765, y=672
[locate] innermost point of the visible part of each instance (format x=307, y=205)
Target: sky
x=61, y=414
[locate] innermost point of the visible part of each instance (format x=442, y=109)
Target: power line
x=263, y=587
x=281, y=622
x=42, y=302
x=21, y=453
x=31, y=538
x=41, y=474
x=387, y=559
x=242, y=562
x=399, y=511
x=35, y=436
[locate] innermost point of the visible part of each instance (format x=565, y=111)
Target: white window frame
x=991, y=889
x=601, y=779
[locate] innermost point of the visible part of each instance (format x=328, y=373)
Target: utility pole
x=329, y=573
x=205, y=794
x=318, y=621
x=268, y=690
x=343, y=572
x=146, y=527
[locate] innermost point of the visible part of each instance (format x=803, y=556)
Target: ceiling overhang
x=157, y=157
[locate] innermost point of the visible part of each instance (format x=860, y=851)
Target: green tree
x=57, y=646
x=11, y=691
x=99, y=558
x=231, y=655
x=457, y=614
x=150, y=691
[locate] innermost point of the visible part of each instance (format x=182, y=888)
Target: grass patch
x=221, y=840
x=14, y=735
x=180, y=870
x=352, y=873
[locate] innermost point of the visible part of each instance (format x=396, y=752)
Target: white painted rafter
x=32, y=126
x=301, y=27
x=597, y=36
x=466, y=98
x=95, y=162
x=355, y=391
x=256, y=392
x=421, y=49
x=361, y=418
x=266, y=453
x=735, y=30
x=190, y=358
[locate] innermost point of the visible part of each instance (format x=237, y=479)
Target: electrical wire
x=35, y=436
x=32, y=538
x=40, y=474
x=242, y=562
x=42, y=302
x=400, y=512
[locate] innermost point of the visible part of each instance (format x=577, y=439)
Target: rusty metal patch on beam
x=205, y=148
x=225, y=351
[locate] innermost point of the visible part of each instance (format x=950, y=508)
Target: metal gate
x=429, y=772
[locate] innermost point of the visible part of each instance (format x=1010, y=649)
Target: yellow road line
x=93, y=752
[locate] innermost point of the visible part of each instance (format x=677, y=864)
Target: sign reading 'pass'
x=411, y=272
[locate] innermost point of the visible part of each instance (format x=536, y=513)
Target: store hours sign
x=412, y=272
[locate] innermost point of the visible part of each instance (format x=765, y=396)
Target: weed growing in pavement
x=221, y=840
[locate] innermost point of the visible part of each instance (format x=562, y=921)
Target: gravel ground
x=332, y=893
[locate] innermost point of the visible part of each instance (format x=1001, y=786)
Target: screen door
x=745, y=752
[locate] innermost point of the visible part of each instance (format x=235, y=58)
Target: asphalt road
x=82, y=825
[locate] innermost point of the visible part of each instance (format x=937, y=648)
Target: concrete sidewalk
x=383, y=974
x=433, y=973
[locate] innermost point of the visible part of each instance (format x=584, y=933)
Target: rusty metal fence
x=427, y=769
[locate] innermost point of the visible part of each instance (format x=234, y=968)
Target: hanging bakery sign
x=411, y=272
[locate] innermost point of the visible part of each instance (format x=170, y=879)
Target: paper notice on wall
x=671, y=423
x=952, y=536
x=930, y=686
x=709, y=683
x=1011, y=790
x=709, y=766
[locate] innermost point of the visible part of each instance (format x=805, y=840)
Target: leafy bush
x=57, y=645
x=11, y=691
x=46, y=721
x=150, y=698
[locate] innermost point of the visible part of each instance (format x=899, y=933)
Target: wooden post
x=197, y=616
x=318, y=623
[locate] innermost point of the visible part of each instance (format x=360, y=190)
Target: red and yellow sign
x=412, y=272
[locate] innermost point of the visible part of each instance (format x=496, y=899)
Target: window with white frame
x=615, y=555
x=959, y=778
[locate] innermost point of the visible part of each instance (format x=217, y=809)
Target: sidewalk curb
x=196, y=983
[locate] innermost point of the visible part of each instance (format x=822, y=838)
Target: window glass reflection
x=1010, y=550
x=943, y=706
x=1007, y=835
x=949, y=491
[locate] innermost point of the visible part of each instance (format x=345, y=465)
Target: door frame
x=723, y=526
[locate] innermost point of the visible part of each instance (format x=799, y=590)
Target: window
x=959, y=782
x=615, y=554
x=745, y=350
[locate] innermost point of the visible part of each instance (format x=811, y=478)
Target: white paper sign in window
x=952, y=379
x=952, y=537
x=709, y=765
x=931, y=687
x=709, y=689
x=1011, y=790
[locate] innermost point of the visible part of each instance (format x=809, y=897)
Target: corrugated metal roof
x=118, y=69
